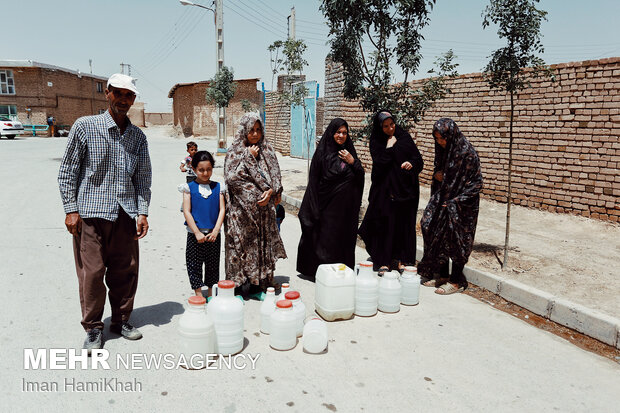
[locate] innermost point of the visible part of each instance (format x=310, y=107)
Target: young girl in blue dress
x=203, y=207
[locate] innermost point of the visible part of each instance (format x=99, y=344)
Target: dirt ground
x=569, y=256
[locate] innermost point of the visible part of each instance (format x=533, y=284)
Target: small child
x=186, y=163
x=203, y=207
x=279, y=215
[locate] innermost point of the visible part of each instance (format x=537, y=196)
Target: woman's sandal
x=448, y=289
x=427, y=282
x=383, y=270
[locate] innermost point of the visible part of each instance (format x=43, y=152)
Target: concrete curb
x=587, y=321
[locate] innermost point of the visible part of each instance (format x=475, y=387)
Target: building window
x=9, y=110
x=99, y=87
x=7, y=83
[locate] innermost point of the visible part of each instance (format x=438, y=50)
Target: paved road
x=446, y=354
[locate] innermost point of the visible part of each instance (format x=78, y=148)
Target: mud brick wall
x=54, y=91
x=195, y=117
x=566, y=151
x=277, y=123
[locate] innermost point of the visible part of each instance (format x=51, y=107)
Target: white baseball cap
x=121, y=81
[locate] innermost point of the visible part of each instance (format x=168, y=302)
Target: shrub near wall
x=567, y=133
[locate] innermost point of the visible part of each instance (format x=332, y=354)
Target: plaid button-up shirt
x=102, y=170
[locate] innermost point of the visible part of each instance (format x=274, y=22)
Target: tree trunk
x=509, y=193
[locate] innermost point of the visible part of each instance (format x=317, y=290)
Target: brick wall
x=566, y=151
x=277, y=123
x=155, y=118
x=196, y=117
x=47, y=91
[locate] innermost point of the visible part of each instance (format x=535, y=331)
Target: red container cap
x=292, y=295
x=365, y=264
x=284, y=304
x=226, y=284
x=196, y=300
x=285, y=285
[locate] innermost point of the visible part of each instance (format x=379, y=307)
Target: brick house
x=192, y=113
x=32, y=91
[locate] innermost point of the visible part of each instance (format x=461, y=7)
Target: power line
x=257, y=12
x=160, y=61
x=272, y=9
x=280, y=35
x=173, y=41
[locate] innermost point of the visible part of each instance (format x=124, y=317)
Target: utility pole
x=291, y=24
x=123, y=65
x=219, y=61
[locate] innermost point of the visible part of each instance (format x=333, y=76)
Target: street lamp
x=218, y=16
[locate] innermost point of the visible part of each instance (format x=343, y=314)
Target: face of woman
x=439, y=139
x=255, y=134
x=388, y=127
x=341, y=135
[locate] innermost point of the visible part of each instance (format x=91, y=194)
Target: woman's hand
x=391, y=142
x=438, y=176
x=346, y=156
x=254, y=149
x=264, y=199
x=200, y=237
x=212, y=236
x=277, y=198
x=406, y=165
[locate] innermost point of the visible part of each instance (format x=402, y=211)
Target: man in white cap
x=105, y=185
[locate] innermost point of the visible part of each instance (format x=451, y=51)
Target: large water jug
x=227, y=314
x=315, y=335
x=283, y=326
x=334, y=297
x=389, y=293
x=195, y=328
x=299, y=309
x=366, y=290
x=267, y=307
x=410, y=284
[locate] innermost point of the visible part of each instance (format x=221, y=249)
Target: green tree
x=246, y=105
x=519, y=23
x=369, y=38
x=221, y=88
x=287, y=58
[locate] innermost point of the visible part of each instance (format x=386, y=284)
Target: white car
x=10, y=128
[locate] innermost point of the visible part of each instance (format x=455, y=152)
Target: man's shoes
x=126, y=330
x=94, y=340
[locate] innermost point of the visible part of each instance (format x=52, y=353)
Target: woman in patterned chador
x=450, y=218
x=253, y=189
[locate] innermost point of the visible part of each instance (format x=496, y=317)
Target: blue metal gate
x=303, y=123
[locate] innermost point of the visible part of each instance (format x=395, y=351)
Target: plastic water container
x=410, y=284
x=389, y=293
x=227, y=314
x=315, y=335
x=267, y=307
x=284, y=288
x=366, y=290
x=195, y=328
x=283, y=326
x=299, y=309
x=334, y=297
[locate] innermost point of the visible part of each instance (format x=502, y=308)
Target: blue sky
x=167, y=43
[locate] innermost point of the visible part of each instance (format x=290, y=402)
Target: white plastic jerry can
x=334, y=297
x=195, y=329
x=366, y=290
x=227, y=314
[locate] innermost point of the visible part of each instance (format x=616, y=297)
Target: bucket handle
x=215, y=290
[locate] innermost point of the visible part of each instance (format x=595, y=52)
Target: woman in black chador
x=388, y=229
x=329, y=212
x=450, y=218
